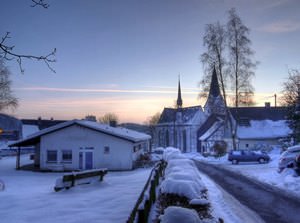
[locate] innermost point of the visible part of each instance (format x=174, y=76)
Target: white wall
x=73, y=137
x=255, y=143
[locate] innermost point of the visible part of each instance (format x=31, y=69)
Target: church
x=198, y=129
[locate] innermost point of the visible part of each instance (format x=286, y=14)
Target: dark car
x=237, y=156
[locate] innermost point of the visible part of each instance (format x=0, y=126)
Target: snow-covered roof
x=123, y=133
x=29, y=130
x=169, y=114
x=264, y=129
x=211, y=131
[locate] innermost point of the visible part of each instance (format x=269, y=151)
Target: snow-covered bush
x=182, y=184
x=179, y=214
x=172, y=153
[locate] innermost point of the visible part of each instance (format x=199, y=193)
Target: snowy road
x=271, y=204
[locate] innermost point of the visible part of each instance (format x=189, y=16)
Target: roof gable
x=169, y=114
x=123, y=133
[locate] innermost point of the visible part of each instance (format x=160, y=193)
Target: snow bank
x=172, y=153
x=177, y=214
x=181, y=176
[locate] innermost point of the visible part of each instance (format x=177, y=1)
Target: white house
x=81, y=145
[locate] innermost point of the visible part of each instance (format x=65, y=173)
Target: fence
x=144, y=203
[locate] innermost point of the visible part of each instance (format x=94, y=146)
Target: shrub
x=220, y=148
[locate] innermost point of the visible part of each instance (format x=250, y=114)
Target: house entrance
x=85, y=160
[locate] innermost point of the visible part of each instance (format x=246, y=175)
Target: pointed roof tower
x=214, y=85
x=215, y=103
x=179, y=99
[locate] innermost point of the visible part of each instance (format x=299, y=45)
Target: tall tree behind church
x=215, y=42
x=240, y=63
x=214, y=58
x=7, y=99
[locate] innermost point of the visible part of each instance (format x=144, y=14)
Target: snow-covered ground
x=29, y=196
x=266, y=173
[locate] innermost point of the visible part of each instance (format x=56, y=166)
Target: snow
x=29, y=196
x=224, y=206
x=266, y=173
x=211, y=130
x=120, y=132
x=178, y=214
x=264, y=129
x=29, y=130
x=181, y=175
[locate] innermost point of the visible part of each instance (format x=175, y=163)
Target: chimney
x=267, y=104
x=112, y=123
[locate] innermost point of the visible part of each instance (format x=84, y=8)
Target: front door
x=88, y=160
x=85, y=160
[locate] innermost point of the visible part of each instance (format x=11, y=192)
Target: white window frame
x=66, y=152
x=52, y=161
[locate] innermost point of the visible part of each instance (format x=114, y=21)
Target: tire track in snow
x=271, y=204
x=226, y=206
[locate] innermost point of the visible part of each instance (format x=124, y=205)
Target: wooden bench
x=76, y=178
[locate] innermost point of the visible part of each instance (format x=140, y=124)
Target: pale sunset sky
x=124, y=56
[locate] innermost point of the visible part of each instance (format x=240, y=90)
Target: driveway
x=271, y=204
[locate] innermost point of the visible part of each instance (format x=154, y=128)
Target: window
x=52, y=156
x=106, y=149
x=67, y=156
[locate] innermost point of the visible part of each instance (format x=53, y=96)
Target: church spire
x=179, y=99
x=214, y=85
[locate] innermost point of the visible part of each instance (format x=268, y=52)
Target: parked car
x=288, y=157
x=237, y=156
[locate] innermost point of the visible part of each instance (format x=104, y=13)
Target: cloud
x=281, y=27
x=275, y=4
x=89, y=90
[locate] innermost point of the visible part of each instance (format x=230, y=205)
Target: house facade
x=82, y=145
x=197, y=129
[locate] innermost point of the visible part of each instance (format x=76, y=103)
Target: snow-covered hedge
x=177, y=214
x=182, y=187
x=182, y=178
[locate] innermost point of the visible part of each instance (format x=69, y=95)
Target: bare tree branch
x=40, y=3
x=7, y=53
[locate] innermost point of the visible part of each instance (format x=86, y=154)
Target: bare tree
x=91, y=118
x=108, y=118
x=214, y=40
x=246, y=98
x=7, y=99
x=290, y=88
x=153, y=120
x=41, y=3
x=8, y=53
x=240, y=64
x=291, y=99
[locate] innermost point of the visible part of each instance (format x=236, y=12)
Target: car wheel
x=261, y=160
x=235, y=161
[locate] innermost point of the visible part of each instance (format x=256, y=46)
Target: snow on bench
x=76, y=178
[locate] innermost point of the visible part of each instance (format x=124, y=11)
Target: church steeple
x=179, y=99
x=214, y=85
x=215, y=103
